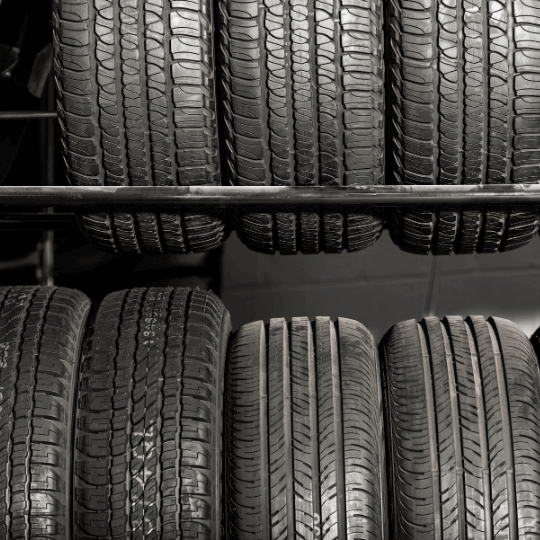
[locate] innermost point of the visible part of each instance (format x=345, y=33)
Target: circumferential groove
x=456, y=433
x=482, y=431
x=432, y=433
x=506, y=423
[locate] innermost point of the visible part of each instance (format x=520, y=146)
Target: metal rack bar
x=26, y=115
x=174, y=197
x=30, y=221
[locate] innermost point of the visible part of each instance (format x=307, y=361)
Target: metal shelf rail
x=158, y=197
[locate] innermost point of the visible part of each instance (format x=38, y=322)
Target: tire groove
x=337, y=409
x=482, y=431
x=507, y=433
x=456, y=433
x=31, y=399
x=264, y=441
x=111, y=422
x=432, y=434
x=461, y=92
x=314, y=431
x=338, y=78
x=265, y=139
x=288, y=434
x=169, y=85
x=289, y=97
x=485, y=92
x=149, y=150
x=511, y=92
x=119, y=90
x=313, y=63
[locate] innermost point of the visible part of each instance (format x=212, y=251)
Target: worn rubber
x=41, y=336
x=463, y=429
x=464, y=106
x=149, y=417
x=303, y=105
x=136, y=106
x=149, y=232
x=304, y=432
x=309, y=232
x=462, y=230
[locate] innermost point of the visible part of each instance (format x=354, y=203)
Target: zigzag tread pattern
x=456, y=477
x=148, y=437
x=136, y=100
x=41, y=333
x=304, y=458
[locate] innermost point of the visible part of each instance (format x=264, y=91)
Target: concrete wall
x=381, y=285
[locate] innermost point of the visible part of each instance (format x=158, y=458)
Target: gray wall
x=381, y=285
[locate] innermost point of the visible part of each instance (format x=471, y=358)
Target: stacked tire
x=136, y=103
x=301, y=103
x=463, y=110
x=463, y=421
x=123, y=440
x=303, y=106
x=125, y=422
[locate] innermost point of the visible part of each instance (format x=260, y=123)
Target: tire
x=136, y=104
x=304, y=432
x=464, y=111
x=41, y=335
x=149, y=417
x=298, y=112
x=149, y=232
x=463, y=230
x=463, y=426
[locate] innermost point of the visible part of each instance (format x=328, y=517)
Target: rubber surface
x=309, y=232
x=304, y=432
x=149, y=232
x=464, y=109
x=462, y=230
x=41, y=335
x=149, y=417
x=136, y=104
x=302, y=88
x=463, y=428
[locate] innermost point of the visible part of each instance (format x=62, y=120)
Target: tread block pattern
x=463, y=418
x=463, y=230
x=464, y=109
x=148, y=437
x=304, y=433
x=289, y=232
x=149, y=232
x=41, y=334
x=136, y=102
x=302, y=88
